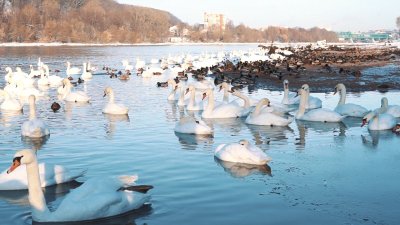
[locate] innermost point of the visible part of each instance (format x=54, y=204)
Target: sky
x=335, y=15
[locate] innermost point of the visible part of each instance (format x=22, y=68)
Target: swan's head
x=18, y=69
x=305, y=87
x=171, y=82
x=384, y=102
x=224, y=85
x=8, y=69
x=207, y=93
x=265, y=101
x=339, y=87
x=286, y=84
x=25, y=156
x=190, y=88
x=66, y=82
x=68, y=64
x=396, y=129
x=243, y=142
x=108, y=91
x=367, y=118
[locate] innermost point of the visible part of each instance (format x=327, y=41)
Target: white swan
x=72, y=70
x=10, y=103
x=112, y=107
x=34, y=73
x=95, y=199
x=86, y=75
x=189, y=125
x=393, y=110
x=242, y=152
x=49, y=175
x=225, y=110
x=53, y=80
x=34, y=127
x=227, y=90
x=193, y=104
x=259, y=117
x=318, y=115
x=348, y=109
x=172, y=95
x=379, y=121
x=43, y=80
x=125, y=64
x=289, y=98
x=77, y=96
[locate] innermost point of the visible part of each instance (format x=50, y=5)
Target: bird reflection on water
x=239, y=170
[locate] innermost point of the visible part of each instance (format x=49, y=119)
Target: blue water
x=335, y=173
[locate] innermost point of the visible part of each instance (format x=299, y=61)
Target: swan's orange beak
x=15, y=164
x=364, y=121
x=204, y=96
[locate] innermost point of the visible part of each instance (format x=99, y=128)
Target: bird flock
x=192, y=89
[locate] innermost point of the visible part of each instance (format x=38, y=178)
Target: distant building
x=367, y=37
x=214, y=21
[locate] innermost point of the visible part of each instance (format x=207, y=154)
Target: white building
x=214, y=20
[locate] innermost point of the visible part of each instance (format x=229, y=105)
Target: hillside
x=95, y=21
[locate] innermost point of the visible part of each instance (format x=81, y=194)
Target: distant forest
x=106, y=21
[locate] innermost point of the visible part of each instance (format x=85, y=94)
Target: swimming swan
x=34, y=127
x=242, y=152
x=379, y=121
x=317, y=115
x=95, y=199
x=189, y=125
x=289, y=98
x=259, y=117
x=348, y=109
x=77, y=96
x=112, y=107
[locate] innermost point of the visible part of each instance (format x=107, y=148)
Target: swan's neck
x=182, y=96
x=303, y=103
x=211, y=102
x=244, y=97
x=257, y=110
x=342, y=99
x=67, y=90
x=32, y=110
x=285, y=93
x=172, y=94
x=226, y=96
x=36, y=197
x=111, y=97
x=192, y=97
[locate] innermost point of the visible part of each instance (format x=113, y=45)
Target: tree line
x=106, y=21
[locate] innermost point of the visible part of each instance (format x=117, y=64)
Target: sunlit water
x=333, y=173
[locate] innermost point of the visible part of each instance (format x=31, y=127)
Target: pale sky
x=336, y=15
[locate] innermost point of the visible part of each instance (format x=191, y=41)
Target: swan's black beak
x=220, y=88
x=104, y=94
x=297, y=93
x=269, y=104
x=364, y=121
x=187, y=91
x=334, y=93
x=204, y=96
x=176, y=87
x=15, y=164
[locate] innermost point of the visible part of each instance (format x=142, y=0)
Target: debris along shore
x=360, y=69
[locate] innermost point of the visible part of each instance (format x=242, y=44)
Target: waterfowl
x=242, y=152
x=34, y=73
x=34, y=127
x=225, y=110
x=77, y=96
x=173, y=95
x=111, y=107
x=189, y=125
x=53, y=80
x=72, y=70
x=55, y=106
x=49, y=175
x=348, y=109
x=317, y=115
x=289, y=98
x=193, y=105
x=10, y=103
x=393, y=110
x=96, y=198
x=86, y=75
x=379, y=121
x=259, y=117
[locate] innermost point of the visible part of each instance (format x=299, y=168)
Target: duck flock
x=193, y=84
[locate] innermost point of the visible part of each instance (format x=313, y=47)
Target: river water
x=320, y=173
